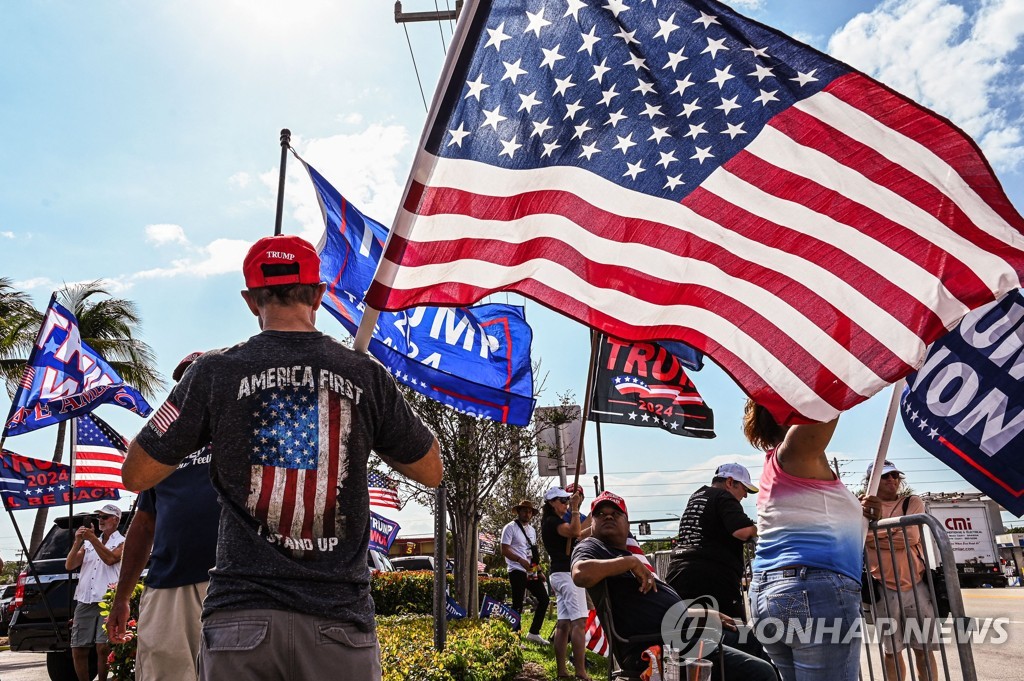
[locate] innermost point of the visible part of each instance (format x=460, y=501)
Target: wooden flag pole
x=286, y=140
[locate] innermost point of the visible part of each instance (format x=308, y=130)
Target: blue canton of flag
x=66, y=378
x=475, y=360
x=288, y=430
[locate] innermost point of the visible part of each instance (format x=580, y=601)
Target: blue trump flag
x=34, y=483
x=474, y=359
x=965, y=405
x=452, y=609
x=66, y=378
x=382, y=533
x=493, y=608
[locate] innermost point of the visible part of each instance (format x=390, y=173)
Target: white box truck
x=971, y=525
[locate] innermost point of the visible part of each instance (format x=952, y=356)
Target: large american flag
x=675, y=170
x=383, y=491
x=298, y=455
x=99, y=453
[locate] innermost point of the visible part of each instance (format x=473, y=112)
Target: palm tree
x=109, y=326
x=19, y=322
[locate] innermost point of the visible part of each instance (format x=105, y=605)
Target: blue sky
x=140, y=146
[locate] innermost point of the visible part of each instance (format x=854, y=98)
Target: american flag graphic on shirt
x=299, y=454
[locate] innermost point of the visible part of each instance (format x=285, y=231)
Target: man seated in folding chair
x=627, y=592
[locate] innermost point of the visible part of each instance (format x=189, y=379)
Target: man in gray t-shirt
x=291, y=416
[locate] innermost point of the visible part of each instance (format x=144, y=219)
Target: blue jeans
x=808, y=621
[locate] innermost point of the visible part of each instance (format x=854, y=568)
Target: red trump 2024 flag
x=681, y=172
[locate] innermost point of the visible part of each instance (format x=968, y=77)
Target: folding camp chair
x=617, y=642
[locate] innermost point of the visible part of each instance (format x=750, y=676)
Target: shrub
x=412, y=592
x=476, y=650
x=121, y=659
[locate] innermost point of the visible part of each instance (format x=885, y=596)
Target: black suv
x=31, y=627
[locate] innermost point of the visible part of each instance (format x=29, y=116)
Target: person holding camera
x=558, y=535
x=99, y=556
x=519, y=547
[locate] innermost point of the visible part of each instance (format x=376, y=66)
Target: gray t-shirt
x=291, y=418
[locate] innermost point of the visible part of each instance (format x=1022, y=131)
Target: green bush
x=476, y=650
x=412, y=592
x=121, y=659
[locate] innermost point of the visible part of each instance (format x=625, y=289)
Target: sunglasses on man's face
x=891, y=476
x=100, y=516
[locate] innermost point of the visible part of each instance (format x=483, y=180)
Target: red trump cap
x=280, y=260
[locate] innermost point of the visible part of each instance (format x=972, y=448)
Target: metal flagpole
x=883, y=443
x=597, y=424
x=35, y=574
x=71, y=503
x=286, y=139
x=594, y=346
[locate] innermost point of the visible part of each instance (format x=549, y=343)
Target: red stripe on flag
x=930, y=130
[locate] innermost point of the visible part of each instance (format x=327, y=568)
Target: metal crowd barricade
x=876, y=610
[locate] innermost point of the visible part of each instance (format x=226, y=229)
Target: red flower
x=111, y=658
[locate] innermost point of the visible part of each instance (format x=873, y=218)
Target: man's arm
x=426, y=470
x=137, y=547
x=506, y=551
x=141, y=471
x=108, y=556
x=77, y=553
x=746, y=533
x=590, y=572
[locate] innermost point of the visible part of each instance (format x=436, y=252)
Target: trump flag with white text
x=966, y=404
x=675, y=170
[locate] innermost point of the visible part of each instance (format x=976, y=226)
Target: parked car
x=6, y=607
x=43, y=607
x=378, y=562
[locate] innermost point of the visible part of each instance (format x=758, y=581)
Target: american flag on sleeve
x=99, y=454
x=383, y=491
x=675, y=170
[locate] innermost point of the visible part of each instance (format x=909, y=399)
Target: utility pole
x=412, y=17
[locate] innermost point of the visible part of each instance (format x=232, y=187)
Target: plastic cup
x=697, y=669
x=671, y=663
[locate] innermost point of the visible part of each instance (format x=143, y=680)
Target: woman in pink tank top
x=805, y=591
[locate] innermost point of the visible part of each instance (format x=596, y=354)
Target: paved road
x=993, y=661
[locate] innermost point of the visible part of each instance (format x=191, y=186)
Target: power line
x=440, y=30
x=415, y=68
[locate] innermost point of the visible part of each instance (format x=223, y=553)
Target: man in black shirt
x=639, y=600
x=708, y=556
x=291, y=416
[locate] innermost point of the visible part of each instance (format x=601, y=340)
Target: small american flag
x=99, y=454
x=164, y=417
x=594, y=638
x=675, y=170
x=634, y=548
x=383, y=491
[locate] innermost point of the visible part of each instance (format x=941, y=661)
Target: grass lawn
x=544, y=657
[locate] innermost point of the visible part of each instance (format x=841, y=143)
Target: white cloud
x=747, y=4
x=7, y=235
x=353, y=118
x=163, y=234
x=220, y=256
x=240, y=180
x=958, y=64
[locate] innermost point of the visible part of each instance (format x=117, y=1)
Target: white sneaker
x=538, y=639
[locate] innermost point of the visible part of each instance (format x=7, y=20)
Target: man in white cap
x=708, y=555
x=99, y=556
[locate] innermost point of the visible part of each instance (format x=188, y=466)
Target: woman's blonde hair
x=760, y=427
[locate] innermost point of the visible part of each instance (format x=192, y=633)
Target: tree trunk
x=40, y=525
x=474, y=557
x=460, y=537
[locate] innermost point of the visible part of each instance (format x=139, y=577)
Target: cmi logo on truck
x=958, y=524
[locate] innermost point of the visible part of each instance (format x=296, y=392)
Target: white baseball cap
x=111, y=509
x=738, y=473
x=887, y=467
x=556, y=492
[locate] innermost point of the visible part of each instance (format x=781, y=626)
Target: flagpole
x=883, y=443
x=71, y=502
x=286, y=139
x=365, y=331
x=34, y=573
x=594, y=346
